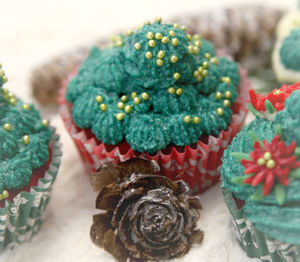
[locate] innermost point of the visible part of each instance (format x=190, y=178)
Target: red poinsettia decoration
x=274, y=99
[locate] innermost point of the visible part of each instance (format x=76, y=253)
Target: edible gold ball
x=196, y=120
x=205, y=73
x=175, y=25
x=103, y=107
x=148, y=55
x=198, y=43
x=12, y=101
x=227, y=103
x=226, y=80
x=150, y=35
x=179, y=91
x=172, y=33
x=176, y=76
x=119, y=43
x=158, y=36
x=171, y=90
x=4, y=79
x=99, y=99
x=197, y=36
x=218, y=95
x=174, y=59
x=120, y=116
x=196, y=50
x=228, y=94
x=199, y=78
x=165, y=40
x=5, y=91
x=133, y=94
x=207, y=55
x=261, y=161
x=147, y=22
x=159, y=62
x=5, y=194
x=196, y=73
x=187, y=119
x=124, y=98
x=214, y=60
x=137, y=46
x=191, y=49
x=271, y=164
x=152, y=43
x=161, y=54
x=174, y=41
x=189, y=37
x=45, y=122
x=136, y=100
x=7, y=127
x=129, y=33
x=25, y=140
x=158, y=19
x=183, y=28
x=120, y=105
x=128, y=109
x=267, y=156
x=220, y=111
x=25, y=106
x=1, y=73
x=205, y=64
x=145, y=96
x=277, y=92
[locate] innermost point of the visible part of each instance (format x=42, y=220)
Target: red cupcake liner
x=197, y=165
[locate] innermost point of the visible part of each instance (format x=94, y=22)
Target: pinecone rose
x=147, y=217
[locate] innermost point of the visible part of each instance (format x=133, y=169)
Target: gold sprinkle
x=147, y=22
x=1, y=73
x=228, y=94
x=120, y=105
x=4, y=79
x=196, y=74
x=26, y=107
x=205, y=64
x=176, y=76
x=267, y=156
x=171, y=90
x=124, y=98
x=120, y=116
x=219, y=95
x=136, y=100
x=145, y=96
x=148, y=55
x=227, y=103
x=174, y=59
x=150, y=35
x=196, y=49
x=205, y=73
x=128, y=109
x=200, y=70
x=25, y=140
x=175, y=25
x=159, y=62
x=7, y=127
x=11, y=95
x=271, y=164
x=129, y=33
x=220, y=111
x=137, y=46
x=197, y=36
x=189, y=37
x=261, y=161
x=198, y=43
x=191, y=49
x=196, y=120
x=45, y=122
x=277, y=92
x=179, y=91
x=158, y=19
x=200, y=78
x=103, y=107
x=152, y=43
x=214, y=60
x=161, y=54
x=172, y=33
x=139, y=27
x=13, y=101
x=183, y=28
x=119, y=43
x=174, y=41
x=226, y=80
x=133, y=94
x=165, y=40
x=99, y=99
x=187, y=119
x=158, y=36
x=207, y=55
x=5, y=194
x=5, y=91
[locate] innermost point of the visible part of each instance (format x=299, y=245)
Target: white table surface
x=33, y=31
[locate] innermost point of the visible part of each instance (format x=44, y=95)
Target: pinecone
x=147, y=217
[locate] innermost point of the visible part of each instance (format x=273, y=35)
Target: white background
x=31, y=32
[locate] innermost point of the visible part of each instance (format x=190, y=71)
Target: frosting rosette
x=154, y=87
x=147, y=217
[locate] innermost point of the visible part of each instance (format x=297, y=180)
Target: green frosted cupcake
x=261, y=178
x=29, y=161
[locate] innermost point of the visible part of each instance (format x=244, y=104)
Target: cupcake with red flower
x=158, y=93
x=261, y=177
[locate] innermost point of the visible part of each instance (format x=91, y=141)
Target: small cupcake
x=145, y=217
x=157, y=93
x=286, y=53
x=29, y=161
x=261, y=178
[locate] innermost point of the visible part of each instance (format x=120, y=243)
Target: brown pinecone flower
x=146, y=217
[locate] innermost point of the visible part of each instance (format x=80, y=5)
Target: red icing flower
x=277, y=97
x=272, y=162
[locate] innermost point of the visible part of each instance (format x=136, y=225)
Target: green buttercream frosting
x=154, y=87
x=281, y=222
x=290, y=50
x=23, y=141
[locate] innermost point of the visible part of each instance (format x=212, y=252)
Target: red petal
x=269, y=181
x=252, y=169
x=282, y=172
x=287, y=161
x=257, y=100
x=290, y=149
x=248, y=180
x=246, y=163
x=284, y=181
x=258, y=178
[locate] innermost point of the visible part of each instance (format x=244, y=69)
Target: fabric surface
x=32, y=32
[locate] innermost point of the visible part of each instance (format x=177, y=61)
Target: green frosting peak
x=154, y=87
x=24, y=141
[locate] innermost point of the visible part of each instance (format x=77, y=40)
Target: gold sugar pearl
x=25, y=140
x=176, y=76
x=148, y=55
x=207, y=55
x=147, y=22
x=139, y=27
x=120, y=105
x=13, y=101
x=7, y=127
x=5, y=91
x=133, y=94
x=191, y=49
x=165, y=40
x=152, y=43
x=175, y=25
x=119, y=43
x=161, y=54
x=1, y=73
x=205, y=73
x=220, y=111
x=103, y=107
x=172, y=33
x=226, y=80
x=45, y=122
x=174, y=59
x=214, y=60
x=271, y=164
x=124, y=98
x=205, y=64
x=174, y=41
x=128, y=109
x=196, y=120
x=189, y=37
x=120, y=116
x=228, y=94
x=196, y=50
x=11, y=95
x=187, y=119
x=277, y=92
x=171, y=90
x=129, y=33
x=197, y=36
x=219, y=95
x=198, y=43
x=136, y=100
x=159, y=62
x=26, y=107
x=5, y=194
x=183, y=28
x=199, y=78
x=4, y=79
x=99, y=99
x=196, y=73
x=158, y=19
x=200, y=69
x=227, y=103
x=137, y=46
x=179, y=91
x=145, y=96
x=267, y=156
x=150, y=35
x=261, y=161
x=158, y=36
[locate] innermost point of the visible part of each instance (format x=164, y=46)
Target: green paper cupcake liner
x=256, y=243
x=22, y=218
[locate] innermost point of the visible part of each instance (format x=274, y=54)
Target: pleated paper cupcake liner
x=22, y=218
x=195, y=165
x=256, y=243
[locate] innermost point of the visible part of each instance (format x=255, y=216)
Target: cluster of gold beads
x=188, y=119
x=4, y=195
x=118, y=40
x=266, y=160
x=172, y=90
x=202, y=71
x=102, y=106
x=226, y=79
x=9, y=97
x=2, y=75
x=226, y=96
x=194, y=47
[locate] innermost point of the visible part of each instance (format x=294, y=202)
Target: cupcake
x=29, y=161
x=157, y=93
x=261, y=178
x=145, y=217
x=286, y=53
